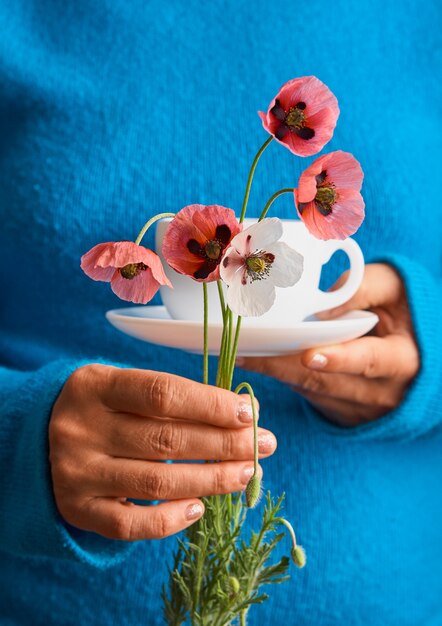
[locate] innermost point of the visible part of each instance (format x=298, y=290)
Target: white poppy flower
x=254, y=264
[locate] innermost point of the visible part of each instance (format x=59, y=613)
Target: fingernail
x=266, y=443
x=239, y=361
x=318, y=362
x=194, y=511
x=247, y=473
x=245, y=413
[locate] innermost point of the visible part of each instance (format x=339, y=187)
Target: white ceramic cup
x=292, y=304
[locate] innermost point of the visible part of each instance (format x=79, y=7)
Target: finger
x=150, y=393
x=161, y=439
x=344, y=412
x=160, y=481
x=290, y=370
x=126, y=521
x=380, y=286
x=393, y=356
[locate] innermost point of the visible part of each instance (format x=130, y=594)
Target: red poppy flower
x=196, y=238
x=134, y=272
x=303, y=115
x=328, y=198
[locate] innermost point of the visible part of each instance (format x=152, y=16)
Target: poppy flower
x=255, y=263
x=196, y=238
x=134, y=272
x=328, y=198
x=302, y=116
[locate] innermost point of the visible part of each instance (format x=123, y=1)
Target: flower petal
x=314, y=93
x=258, y=236
x=344, y=170
x=153, y=262
x=287, y=266
x=139, y=290
x=252, y=299
x=231, y=266
x=211, y=216
x=91, y=266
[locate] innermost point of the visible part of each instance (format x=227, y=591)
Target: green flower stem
x=250, y=179
x=242, y=618
x=220, y=368
x=255, y=422
x=284, y=522
x=272, y=200
x=199, y=575
x=206, y=326
x=149, y=223
x=219, y=284
x=232, y=358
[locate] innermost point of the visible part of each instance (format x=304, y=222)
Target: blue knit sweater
x=114, y=110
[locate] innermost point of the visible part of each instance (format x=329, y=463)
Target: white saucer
x=154, y=324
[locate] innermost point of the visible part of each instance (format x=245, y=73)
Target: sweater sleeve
x=420, y=412
x=30, y=524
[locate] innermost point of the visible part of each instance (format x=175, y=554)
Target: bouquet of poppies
x=217, y=572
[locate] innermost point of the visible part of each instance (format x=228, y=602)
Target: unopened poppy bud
x=234, y=585
x=298, y=556
x=253, y=491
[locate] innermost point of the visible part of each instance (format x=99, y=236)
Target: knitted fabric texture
x=113, y=111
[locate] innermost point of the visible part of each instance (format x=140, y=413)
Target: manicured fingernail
x=318, y=362
x=245, y=413
x=239, y=361
x=266, y=443
x=247, y=473
x=194, y=511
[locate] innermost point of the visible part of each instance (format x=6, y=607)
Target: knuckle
x=165, y=440
x=228, y=445
x=313, y=382
x=83, y=376
x=371, y=365
x=156, y=485
x=388, y=400
x=60, y=431
x=159, y=393
x=220, y=480
x=122, y=526
x=160, y=525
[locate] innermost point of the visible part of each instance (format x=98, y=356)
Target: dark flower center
x=131, y=270
x=292, y=120
x=258, y=265
x=211, y=251
x=325, y=195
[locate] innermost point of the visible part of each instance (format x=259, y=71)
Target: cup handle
x=330, y=299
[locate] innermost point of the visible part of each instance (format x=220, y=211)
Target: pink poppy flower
x=303, y=115
x=196, y=238
x=255, y=263
x=135, y=273
x=328, y=198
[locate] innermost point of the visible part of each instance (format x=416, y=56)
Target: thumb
x=381, y=286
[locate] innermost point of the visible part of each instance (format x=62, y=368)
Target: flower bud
x=253, y=491
x=298, y=556
x=234, y=585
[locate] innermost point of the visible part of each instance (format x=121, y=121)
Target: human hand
x=361, y=380
x=111, y=427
